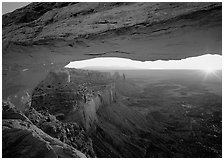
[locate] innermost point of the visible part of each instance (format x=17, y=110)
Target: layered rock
x=114, y=128
x=77, y=100
x=53, y=23
x=21, y=138
x=69, y=133
x=140, y=31
x=45, y=36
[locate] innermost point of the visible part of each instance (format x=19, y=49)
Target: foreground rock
x=69, y=133
x=21, y=138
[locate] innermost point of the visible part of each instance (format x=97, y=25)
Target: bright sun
x=209, y=70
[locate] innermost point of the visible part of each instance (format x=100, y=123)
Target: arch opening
x=207, y=62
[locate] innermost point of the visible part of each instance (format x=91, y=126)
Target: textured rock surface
x=43, y=36
x=21, y=138
x=70, y=26
x=114, y=128
x=105, y=120
x=46, y=36
x=79, y=96
x=65, y=23
x=69, y=133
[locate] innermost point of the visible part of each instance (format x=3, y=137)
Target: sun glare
x=209, y=63
x=209, y=70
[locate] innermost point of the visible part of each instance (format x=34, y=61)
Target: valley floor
x=186, y=111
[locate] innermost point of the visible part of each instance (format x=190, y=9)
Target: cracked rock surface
x=21, y=138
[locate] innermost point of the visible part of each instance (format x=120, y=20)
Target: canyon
x=95, y=104
x=53, y=111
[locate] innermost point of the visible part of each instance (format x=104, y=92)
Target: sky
x=11, y=6
x=204, y=62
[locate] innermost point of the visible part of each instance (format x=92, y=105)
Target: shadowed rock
x=21, y=138
x=42, y=36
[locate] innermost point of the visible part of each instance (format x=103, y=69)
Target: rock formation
x=89, y=114
x=79, y=113
x=69, y=133
x=69, y=26
x=21, y=138
x=78, y=99
x=94, y=103
x=45, y=36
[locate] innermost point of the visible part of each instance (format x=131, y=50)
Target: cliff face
x=68, y=101
x=95, y=104
x=87, y=112
x=76, y=100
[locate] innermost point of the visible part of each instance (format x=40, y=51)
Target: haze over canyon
x=112, y=79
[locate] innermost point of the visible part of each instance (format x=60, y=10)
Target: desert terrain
x=51, y=111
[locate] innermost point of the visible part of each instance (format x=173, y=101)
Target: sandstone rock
x=21, y=138
x=69, y=133
x=143, y=31
x=30, y=13
x=77, y=100
x=10, y=112
x=101, y=115
x=42, y=36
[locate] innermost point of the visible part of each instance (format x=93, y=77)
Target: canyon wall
x=74, y=100
x=91, y=100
